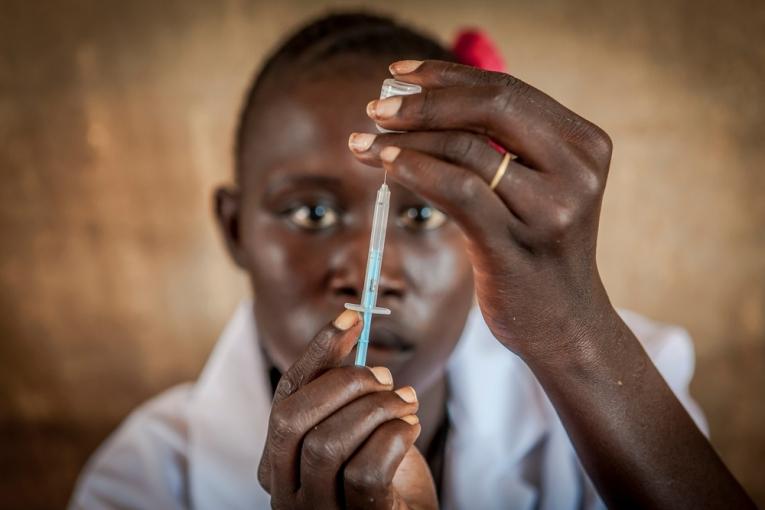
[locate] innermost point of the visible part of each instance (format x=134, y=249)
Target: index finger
x=523, y=119
x=439, y=73
x=432, y=74
x=327, y=350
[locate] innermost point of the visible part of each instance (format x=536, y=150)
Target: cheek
x=442, y=278
x=286, y=269
x=442, y=287
x=440, y=268
x=284, y=264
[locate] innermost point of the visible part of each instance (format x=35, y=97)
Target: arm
x=632, y=435
x=532, y=242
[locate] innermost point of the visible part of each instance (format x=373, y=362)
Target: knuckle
x=323, y=342
x=601, y=141
x=574, y=129
x=458, y=147
x=426, y=112
x=422, y=166
x=560, y=220
x=281, y=425
x=363, y=479
x=449, y=70
x=592, y=183
x=587, y=180
x=318, y=449
x=594, y=140
x=503, y=99
x=510, y=90
x=511, y=82
x=353, y=378
x=286, y=386
x=469, y=191
x=384, y=403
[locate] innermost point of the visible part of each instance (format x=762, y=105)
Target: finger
x=440, y=73
x=467, y=197
x=329, y=445
x=431, y=74
x=462, y=148
x=368, y=476
x=413, y=481
x=292, y=418
x=327, y=349
x=518, y=188
x=594, y=144
x=486, y=110
x=539, y=137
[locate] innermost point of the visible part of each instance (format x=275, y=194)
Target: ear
x=227, y=205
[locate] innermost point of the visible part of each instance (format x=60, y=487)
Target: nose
x=347, y=282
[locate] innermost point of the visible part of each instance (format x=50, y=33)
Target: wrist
x=578, y=342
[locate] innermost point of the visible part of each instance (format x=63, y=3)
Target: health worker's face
x=300, y=223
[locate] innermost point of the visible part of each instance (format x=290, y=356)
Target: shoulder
x=146, y=458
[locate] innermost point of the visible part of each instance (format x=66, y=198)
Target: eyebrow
x=303, y=181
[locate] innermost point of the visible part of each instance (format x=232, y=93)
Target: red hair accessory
x=473, y=47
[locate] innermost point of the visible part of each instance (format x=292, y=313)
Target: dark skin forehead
x=289, y=107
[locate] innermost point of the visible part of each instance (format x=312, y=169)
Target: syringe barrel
x=380, y=220
x=376, y=245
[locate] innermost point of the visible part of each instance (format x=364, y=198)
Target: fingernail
x=384, y=108
x=404, y=66
x=411, y=419
x=407, y=394
x=382, y=375
x=389, y=154
x=346, y=319
x=360, y=142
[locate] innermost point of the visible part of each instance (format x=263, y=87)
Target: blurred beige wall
x=116, y=120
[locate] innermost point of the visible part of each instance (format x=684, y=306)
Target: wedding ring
x=501, y=170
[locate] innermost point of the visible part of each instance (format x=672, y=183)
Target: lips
x=383, y=337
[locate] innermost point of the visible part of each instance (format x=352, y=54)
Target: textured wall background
x=116, y=120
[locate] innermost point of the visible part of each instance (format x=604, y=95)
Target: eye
x=313, y=217
x=423, y=217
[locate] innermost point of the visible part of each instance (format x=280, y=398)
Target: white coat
x=198, y=445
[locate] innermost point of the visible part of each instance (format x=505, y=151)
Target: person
x=504, y=377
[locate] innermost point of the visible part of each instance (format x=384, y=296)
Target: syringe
x=372, y=278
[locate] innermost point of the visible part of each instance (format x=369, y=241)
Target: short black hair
x=335, y=34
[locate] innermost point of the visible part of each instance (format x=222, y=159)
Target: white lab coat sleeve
x=144, y=462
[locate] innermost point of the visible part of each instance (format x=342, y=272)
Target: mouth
x=383, y=338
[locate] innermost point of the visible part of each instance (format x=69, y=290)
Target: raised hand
x=532, y=238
